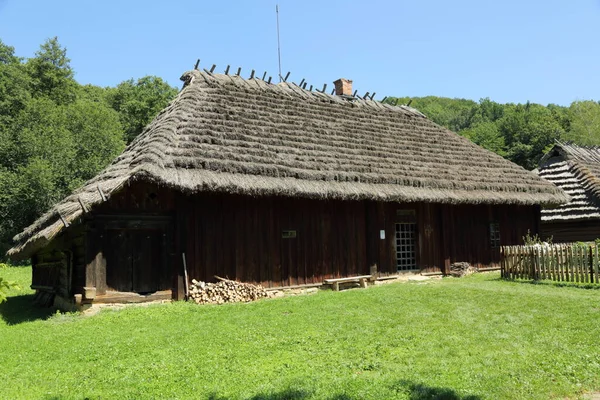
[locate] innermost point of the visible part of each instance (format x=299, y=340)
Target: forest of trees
x=521, y=133
x=56, y=133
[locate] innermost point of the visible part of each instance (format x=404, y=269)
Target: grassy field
x=469, y=338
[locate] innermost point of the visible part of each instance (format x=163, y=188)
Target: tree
x=529, y=130
x=585, y=123
x=7, y=54
x=97, y=137
x=51, y=74
x=138, y=102
x=486, y=135
x=14, y=85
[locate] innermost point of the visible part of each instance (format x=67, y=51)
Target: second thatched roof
x=576, y=170
x=227, y=134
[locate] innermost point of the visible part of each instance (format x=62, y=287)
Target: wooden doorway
x=135, y=260
x=406, y=240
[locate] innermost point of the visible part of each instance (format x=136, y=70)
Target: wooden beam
x=82, y=204
x=102, y=195
x=64, y=221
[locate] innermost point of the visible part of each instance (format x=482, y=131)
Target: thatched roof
x=576, y=170
x=227, y=134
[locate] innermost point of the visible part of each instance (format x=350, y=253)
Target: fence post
x=535, y=265
x=502, y=261
x=590, y=263
x=595, y=262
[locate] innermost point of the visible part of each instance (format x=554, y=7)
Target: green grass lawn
x=470, y=338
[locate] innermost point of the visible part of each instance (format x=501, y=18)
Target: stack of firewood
x=460, y=269
x=224, y=291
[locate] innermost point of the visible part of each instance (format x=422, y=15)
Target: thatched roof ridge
x=576, y=170
x=228, y=134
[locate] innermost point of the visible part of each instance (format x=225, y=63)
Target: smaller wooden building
x=576, y=170
x=282, y=186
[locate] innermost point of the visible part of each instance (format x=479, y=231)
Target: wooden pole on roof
x=278, y=42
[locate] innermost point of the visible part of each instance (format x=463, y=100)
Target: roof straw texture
x=576, y=170
x=228, y=134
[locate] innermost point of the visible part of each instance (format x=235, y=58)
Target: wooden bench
x=335, y=283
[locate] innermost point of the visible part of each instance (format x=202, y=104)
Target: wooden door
x=117, y=250
x=134, y=260
x=146, y=260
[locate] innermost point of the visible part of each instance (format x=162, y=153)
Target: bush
x=5, y=285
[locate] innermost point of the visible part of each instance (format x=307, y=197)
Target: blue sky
x=509, y=51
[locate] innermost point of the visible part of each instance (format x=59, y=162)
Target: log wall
x=251, y=239
x=567, y=232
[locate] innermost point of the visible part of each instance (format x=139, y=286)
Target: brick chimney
x=343, y=87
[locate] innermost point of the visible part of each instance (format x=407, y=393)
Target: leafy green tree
x=487, y=135
x=97, y=139
x=14, y=85
x=487, y=111
x=529, y=130
x=138, y=102
x=51, y=74
x=585, y=123
x=7, y=54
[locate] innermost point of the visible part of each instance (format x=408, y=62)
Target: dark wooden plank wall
x=61, y=264
x=466, y=231
x=566, y=232
x=240, y=237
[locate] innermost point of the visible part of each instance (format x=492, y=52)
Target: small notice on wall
x=382, y=234
x=288, y=234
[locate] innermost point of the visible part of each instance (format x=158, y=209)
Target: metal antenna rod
x=278, y=43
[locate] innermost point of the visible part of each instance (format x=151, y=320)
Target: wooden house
x=576, y=170
x=277, y=185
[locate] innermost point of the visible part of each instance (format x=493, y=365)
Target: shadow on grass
x=577, y=285
x=19, y=309
x=287, y=394
x=419, y=391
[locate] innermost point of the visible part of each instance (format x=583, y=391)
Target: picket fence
x=574, y=262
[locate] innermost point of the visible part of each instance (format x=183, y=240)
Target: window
x=494, y=235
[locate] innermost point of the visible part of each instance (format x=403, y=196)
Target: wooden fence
x=556, y=262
